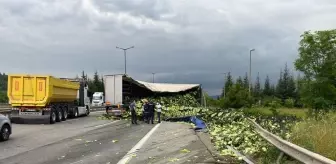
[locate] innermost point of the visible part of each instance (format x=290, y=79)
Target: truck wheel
x=53, y=117
x=76, y=113
x=87, y=112
x=4, y=133
x=64, y=114
x=59, y=115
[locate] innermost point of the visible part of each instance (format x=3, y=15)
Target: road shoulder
x=173, y=142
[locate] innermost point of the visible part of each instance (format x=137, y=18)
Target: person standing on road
x=143, y=110
x=133, y=112
x=146, y=111
x=151, y=109
x=158, y=110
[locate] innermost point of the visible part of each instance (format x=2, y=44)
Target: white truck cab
x=98, y=99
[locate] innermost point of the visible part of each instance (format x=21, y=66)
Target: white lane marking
x=72, y=120
x=77, y=162
x=97, y=126
x=129, y=154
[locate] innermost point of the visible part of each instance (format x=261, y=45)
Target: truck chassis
x=55, y=112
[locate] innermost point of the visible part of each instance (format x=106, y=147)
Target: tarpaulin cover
x=166, y=87
x=198, y=122
x=162, y=87
x=191, y=119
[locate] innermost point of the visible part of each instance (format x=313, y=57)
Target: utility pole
x=250, y=78
x=125, y=49
x=153, y=77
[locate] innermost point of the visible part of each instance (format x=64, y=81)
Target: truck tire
x=59, y=114
x=75, y=113
x=87, y=112
x=53, y=116
x=64, y=113
x=4, y=133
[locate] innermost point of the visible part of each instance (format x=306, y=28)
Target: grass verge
x=318, y=136
x=299, y=113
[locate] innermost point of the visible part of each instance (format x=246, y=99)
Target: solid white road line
x=77, y=162
x=129, y=154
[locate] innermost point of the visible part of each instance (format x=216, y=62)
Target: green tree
x=267, y=87
x=281, y=88
x=317, y=61
x=102, y=84
x=96, y=79
x=286, y=87
x=3, y=81
x=237, y=97
x=240, y=82
x=285, y=82
x=211, y=102
x=228, y=83
x=257, y=89
x=3, y=88
x=297, y=97
x=291, y=88
x=95, y=85
x=288, y=84
x=278, y=88
x=246, y=81
x=273, y=90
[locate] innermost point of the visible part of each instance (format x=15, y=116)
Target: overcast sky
x=183, y=41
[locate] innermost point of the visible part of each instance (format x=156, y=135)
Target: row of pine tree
x=285, y=89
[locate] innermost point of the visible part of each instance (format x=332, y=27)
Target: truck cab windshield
x=97, y=97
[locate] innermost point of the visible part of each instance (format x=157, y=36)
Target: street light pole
x=125, y=49
x=250, y=78
x=125, y=60
x=153, y=77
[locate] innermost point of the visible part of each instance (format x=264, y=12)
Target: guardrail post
x=279, y=158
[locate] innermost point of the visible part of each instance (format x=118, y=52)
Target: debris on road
x=173, y=142
x=185, y=151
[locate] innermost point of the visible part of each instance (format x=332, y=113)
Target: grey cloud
x=151, y=9
x=183, y=41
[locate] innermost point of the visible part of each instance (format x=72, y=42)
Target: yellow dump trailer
x=44, y=96
x=37, y=90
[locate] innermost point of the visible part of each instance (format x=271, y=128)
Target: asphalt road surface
x=76, y=141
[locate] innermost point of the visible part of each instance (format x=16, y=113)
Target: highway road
x=75, y=141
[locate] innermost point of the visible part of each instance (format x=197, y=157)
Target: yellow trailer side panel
x=39, y=90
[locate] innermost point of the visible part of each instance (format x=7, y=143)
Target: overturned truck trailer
x=121, y=89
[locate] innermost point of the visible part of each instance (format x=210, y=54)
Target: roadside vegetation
x=317, y=135
x=3, y=88
x=300, y=113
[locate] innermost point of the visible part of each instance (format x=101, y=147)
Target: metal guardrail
x=291, y=149
x=4, y=107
